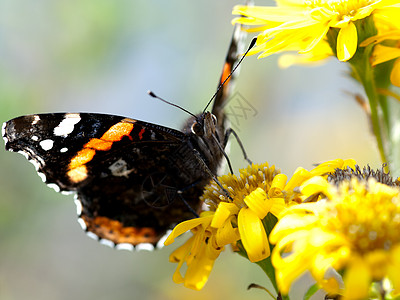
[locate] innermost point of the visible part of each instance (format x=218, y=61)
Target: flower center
x=343, y=7
x=251, y=178
x=367, y=214
x=338, y=11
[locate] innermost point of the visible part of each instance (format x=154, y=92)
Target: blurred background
x=102, y=56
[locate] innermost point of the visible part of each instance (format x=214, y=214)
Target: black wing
x=126, y=172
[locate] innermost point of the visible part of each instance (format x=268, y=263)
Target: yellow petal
x=299, y=176
x=198, y=271
x=287, y=60
x=357, y=280
x=292, y=222
x=186, y=226
x=383, y=54
x=393, y=270
x=278, y=206
x=222, y=213
x=314, y=186
x=253, y=236
x=326, y=276
x=277, y=185
x=227, y=235
x=395, y=75
x=289, y=267
x=179, y=256
x=181, y=252
x=319, y=33
x=348, y=163
x=347, y=42
x=327, y=167
x=268, y=14
x=211, y=252
x=258, y=202
x=390, y=35
x=177, y=277
x=377, y=262
x=198, y=242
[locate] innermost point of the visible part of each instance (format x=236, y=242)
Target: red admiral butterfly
x=130, y=176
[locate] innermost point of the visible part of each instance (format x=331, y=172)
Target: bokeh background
x=102, y=56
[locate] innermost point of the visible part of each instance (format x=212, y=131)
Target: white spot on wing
x=78, y=206
x=62, y=150
x=92, y=235
x=3, y=133
x=24, y=154
x=42, y=176
x=54, y=187
x=36, y=119
x=125, y=246
x=119, y=168
x=35, y=164
x=82, y=223
x=46, y=144
x=35, y=138
x=67, y=192
x=66, y=126
x=145, y=246
x=107, y=243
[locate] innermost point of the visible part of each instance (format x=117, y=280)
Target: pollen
x=251, y=178
x=368, y=213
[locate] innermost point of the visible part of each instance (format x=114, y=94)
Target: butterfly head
x=205, y=125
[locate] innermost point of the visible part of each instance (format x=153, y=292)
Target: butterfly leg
x=230, y=131
x=224, y=153
x=179, y=194
x=207, y=169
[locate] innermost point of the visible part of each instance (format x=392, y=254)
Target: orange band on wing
x=225, y=73
x=99, y=144
x=116, y=132
x=115, y=231
x=78, y=174
x=81, y=158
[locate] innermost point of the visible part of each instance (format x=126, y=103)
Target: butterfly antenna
x=170, y=103
x=252, y=43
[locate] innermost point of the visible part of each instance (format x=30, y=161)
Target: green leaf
x=311, y=291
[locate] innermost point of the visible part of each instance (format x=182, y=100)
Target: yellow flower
x=201, y=250
x=291, y=190
x=257, y=191
x=354, y=232
x=260, y=190
x=385, y=52
x=303, y=26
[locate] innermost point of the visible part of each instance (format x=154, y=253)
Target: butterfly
x=133, y=180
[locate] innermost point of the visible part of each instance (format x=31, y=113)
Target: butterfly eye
x=197, y=129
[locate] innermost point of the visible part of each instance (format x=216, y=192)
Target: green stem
x=366, y=76
x=363, y=72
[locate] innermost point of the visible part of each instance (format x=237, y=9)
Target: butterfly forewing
x=126, y=172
